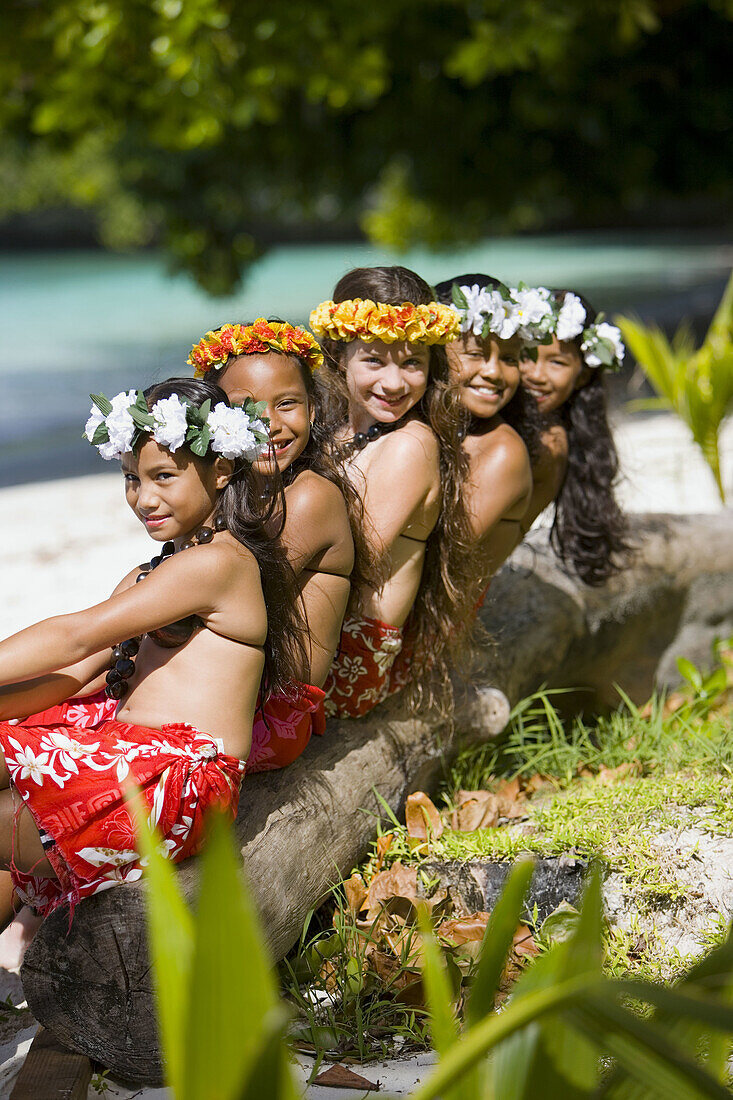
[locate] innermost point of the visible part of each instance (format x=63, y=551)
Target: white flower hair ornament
x=601, y=343
x=505, y=312
x=117, y=425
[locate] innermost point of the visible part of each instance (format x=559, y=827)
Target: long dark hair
x=252, y=506
x=317, y=456
x=441, y=611
x=589, y=530
x=521, y=413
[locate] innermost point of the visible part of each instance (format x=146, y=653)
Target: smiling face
x=384, y=381
x=487, y=372
x=172, y=495
x=277, y=380
x=558, y=372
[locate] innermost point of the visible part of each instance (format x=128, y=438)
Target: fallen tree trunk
x=304, y=828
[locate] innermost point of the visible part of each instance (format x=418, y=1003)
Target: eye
x=131, y=479
x=511, y=360
x=164, y=475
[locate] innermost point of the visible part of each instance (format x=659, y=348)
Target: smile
x=486, y=391
x=155, y=521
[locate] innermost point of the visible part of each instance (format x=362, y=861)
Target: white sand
x=68, y=543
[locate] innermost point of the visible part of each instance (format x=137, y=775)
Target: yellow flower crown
x=259, y=338
x=362, y=319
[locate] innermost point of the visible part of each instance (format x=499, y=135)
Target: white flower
x=230, y=433
x=485, y=305
x=472, y=319
x=605, y=334
x=27, y=765
x=534, y=312
x=120, y=425
x=171, y=424
x=571, y=318
x=95, y=419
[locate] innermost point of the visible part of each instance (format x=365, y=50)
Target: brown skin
x=499, y=482
x=218, y=581
x=317, y=535
x=552, y=378
x=397, y=475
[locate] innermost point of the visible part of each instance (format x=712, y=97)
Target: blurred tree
x=225, y=124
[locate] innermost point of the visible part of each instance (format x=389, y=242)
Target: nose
x=275, y=422
x=391, y=379
x=148, y=498
x=531, y=371
x=490, y=368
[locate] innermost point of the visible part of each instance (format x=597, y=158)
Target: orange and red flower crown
x=363, y=319
x=213, y=350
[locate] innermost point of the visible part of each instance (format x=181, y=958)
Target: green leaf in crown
x=459, y=298
x=103, y=403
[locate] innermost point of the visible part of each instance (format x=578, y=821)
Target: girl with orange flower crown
x=272, y=363
x=395, y=421
x=173, y=713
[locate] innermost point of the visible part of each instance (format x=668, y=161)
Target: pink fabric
x=283, y=727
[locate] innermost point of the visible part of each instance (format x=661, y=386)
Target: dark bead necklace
x=361, y=439
x=123, y=664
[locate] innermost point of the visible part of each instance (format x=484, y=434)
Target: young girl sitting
x=215, y=609
x=578, y=465
x=272, y=362
x=502, y=424
x=395, y=422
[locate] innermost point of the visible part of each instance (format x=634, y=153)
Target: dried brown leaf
x=356, y=892
x=422, y=817
x=397, y=881
x=339, y=1077
x=464, y=929
x=476, y=810
x=384, y=843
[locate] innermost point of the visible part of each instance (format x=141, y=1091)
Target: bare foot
x=17, y=938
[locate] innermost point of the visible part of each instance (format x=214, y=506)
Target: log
x=303, y=829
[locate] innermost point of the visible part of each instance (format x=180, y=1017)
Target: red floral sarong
x=283, y=727
x=73, y=765
x=359, y=676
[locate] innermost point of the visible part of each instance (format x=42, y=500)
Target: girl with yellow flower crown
x=272, y=363
x=395, y=423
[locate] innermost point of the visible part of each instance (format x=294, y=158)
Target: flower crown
x=215, y=348
x=117, y=426
x=363, y=319
x=533, y=314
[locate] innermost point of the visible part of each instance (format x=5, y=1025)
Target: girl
x=215, y=610
x=578, y=464
x=272, y=362
x=502, y=425
x=395, y=421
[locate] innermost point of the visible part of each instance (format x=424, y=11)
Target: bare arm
x=30, y=696
x=398, y=482
x=191, y=583
x=548, y=474
x=316, y=519
x=499, y=486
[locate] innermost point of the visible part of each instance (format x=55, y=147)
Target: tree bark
x=303, y=829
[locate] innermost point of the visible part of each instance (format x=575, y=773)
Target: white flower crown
x=533, y=314
x=116, y=426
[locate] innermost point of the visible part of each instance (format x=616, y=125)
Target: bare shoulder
x=312, y=495
x=500, y=454
x=415, y=442
x=554, y=440
x=213, y=565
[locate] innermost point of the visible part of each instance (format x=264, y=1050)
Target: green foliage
x=221, y=1020
x=697, y=384
x=220, y=124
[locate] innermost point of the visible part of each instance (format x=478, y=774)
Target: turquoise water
x=75, y=322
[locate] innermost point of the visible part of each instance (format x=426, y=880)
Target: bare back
x=398, y=478
x=317, y=538
x=548, y=473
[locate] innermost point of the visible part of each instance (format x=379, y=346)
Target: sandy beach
x=69, y=542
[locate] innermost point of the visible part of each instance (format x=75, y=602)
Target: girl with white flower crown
x=273, y=362
x=395, y=418
x=578, y=466
x=173, y=714
x=502, y=424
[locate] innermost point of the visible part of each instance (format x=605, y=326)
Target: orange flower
x=256, y=339
x=363, y=319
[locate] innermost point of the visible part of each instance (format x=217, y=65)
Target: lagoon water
x=81, y=322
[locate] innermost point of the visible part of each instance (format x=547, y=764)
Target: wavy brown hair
x=317, y=456
x=589, y=530
x=442, y=612
x=252, y=507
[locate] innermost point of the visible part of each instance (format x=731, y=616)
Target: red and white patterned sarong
x=73, y=765
x=283, y=727
x=359, y=677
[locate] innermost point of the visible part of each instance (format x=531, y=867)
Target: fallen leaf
x=339, y=1077
x=608, y=776
x=422, y=818
x=384, y=843
x=475, y=810
x=464, y=929
x=523, y=942
x=356, y=892
x=398, y=880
